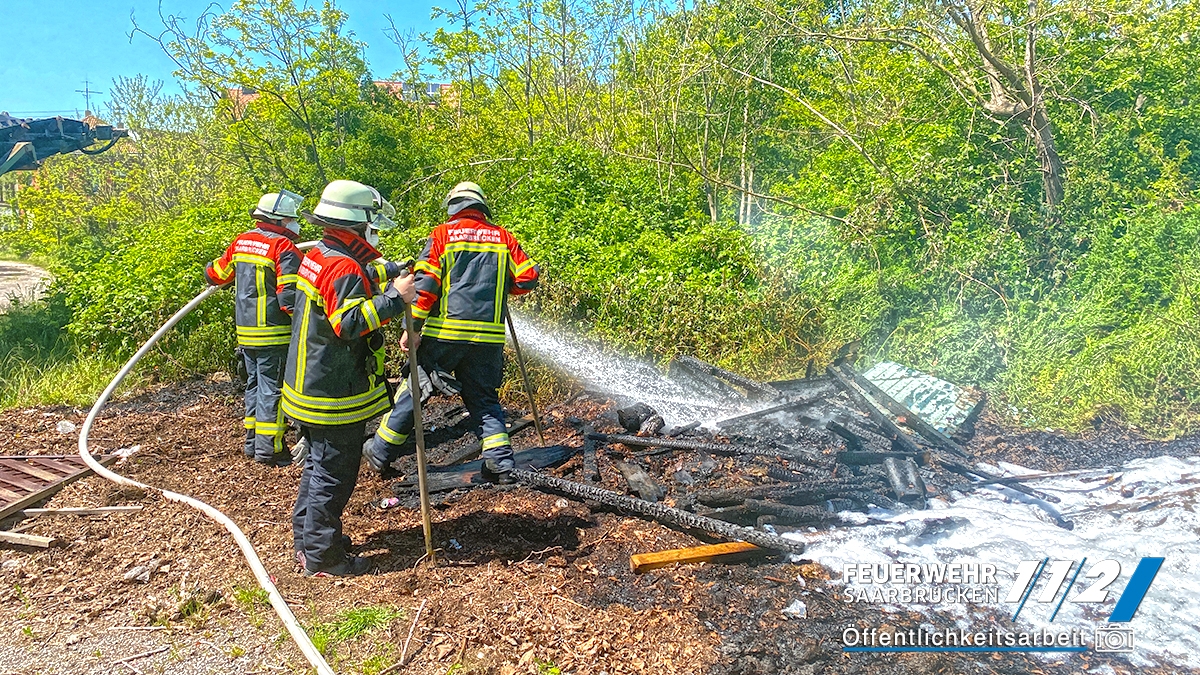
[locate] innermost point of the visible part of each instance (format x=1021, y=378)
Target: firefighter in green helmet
x=334, y=380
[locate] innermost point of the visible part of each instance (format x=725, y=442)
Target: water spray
x=533, y=410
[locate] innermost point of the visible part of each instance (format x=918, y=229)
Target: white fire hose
x=260, y=572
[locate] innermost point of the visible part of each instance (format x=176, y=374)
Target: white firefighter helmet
x=280, y=205
x=350, y=204
x=466, y=195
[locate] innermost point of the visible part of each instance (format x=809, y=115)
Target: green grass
x=250, y=597
x=351, y=624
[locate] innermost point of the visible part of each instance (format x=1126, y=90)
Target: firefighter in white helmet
x=262, y=262
x=334, y=381
x=464, y=276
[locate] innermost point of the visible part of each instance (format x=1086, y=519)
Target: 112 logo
x=1104, y=573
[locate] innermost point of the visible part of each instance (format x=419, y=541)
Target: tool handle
x=414, y=390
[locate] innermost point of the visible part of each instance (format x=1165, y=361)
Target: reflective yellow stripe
x=524, y=267
x=423, y=266
x=444, y=301
x=419, y=313
x=260, y=279
x=311, y=416
x=501, y=286
x=387, y=434
x=495, y=441
x=264, y=336
x=248, y=422
x=326, y=403
x=278, y=341
x=269, y=428
x=253, y=259
x=380, y=272
x=264, y=330
x=302, y=345
x=371, y=315
x=222, y=272
x=478, y=247
x=335, y=319
x=463, y=336
x=310, y=291
x=464, y=325
x=287, y=279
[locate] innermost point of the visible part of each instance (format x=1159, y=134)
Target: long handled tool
x=414, y=391
x=533, y=409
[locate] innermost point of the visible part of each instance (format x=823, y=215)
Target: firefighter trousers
x=263, y=421
x=480, y=369
x=329, y=476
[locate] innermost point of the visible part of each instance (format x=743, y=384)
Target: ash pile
x=773, y=457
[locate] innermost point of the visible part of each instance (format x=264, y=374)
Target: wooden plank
x=19, y=481
x=8, y=495
x=27, y=539
x=41, y=474
x=642, y=562
x=82, y=511
x=63, y=468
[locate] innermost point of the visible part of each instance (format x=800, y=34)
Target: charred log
x=755, y=390
x=658, y=512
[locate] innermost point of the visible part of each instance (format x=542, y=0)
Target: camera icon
x=1111, y=639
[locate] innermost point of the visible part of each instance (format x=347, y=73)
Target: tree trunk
x=1042, y=132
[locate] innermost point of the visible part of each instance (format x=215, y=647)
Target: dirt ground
x=23, y=281
x=526, y=582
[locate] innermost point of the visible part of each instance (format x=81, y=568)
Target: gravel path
x=22, y=281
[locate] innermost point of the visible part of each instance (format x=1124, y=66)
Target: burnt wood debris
x=817, y=452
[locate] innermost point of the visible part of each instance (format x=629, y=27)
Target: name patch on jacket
x=309, y=269
x=485, y=235
x=246, y=245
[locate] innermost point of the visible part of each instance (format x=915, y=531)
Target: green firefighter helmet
x=278, y=206
x=352, y=205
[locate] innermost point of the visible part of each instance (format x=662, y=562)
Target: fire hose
x=311, y=653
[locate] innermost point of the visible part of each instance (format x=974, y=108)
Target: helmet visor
x=384, y=212
x=287, y=204
x=382, y=222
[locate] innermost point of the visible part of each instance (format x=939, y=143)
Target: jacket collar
x=276, y=229
x=351, y=243
x=471, y=214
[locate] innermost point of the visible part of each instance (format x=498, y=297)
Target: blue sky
x=51, y=46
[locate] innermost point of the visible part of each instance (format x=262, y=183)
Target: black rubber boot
x=499, y=471
x=353, y=566
x=301, y=563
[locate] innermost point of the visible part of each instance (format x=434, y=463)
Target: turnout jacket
x=464, y=276
x=334, y=372
x=263, y=263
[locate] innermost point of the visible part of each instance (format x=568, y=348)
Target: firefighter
x=463, y=277
x=334, y=380
x=262, y=263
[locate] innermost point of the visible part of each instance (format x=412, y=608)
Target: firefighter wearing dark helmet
x=262, y=262
x=463, y=277
x=334, y=381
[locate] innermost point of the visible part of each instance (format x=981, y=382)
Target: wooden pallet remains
x=28, y=479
